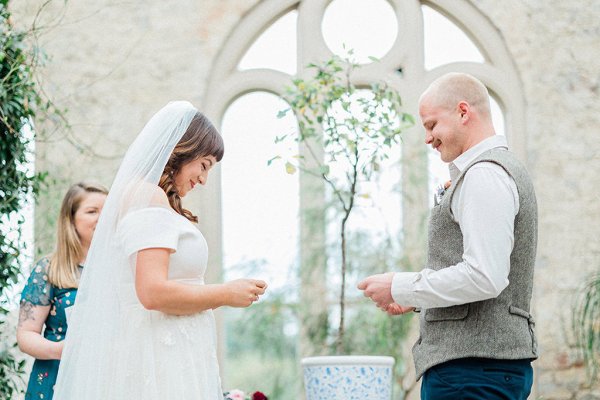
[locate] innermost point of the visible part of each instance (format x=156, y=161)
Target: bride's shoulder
x=145, y=200
x=145, y=194
x=158, y=197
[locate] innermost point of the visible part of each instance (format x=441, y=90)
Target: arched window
x=416, y=42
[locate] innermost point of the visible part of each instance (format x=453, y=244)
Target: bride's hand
x=244, y=292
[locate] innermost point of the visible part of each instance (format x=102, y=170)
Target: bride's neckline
x=172, y=210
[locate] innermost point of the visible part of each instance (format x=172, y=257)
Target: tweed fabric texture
x=498, y=328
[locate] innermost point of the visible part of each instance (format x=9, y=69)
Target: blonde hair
x=201, y=139
x=63, y=271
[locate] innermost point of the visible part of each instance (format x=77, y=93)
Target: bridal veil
x=92, y=363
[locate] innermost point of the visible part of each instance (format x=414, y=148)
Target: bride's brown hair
x=201, y=139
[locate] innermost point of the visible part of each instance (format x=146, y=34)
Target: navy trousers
x=478, y=379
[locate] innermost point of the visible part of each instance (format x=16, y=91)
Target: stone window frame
x=226, y=83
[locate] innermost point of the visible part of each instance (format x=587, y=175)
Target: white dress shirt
x=484, y=205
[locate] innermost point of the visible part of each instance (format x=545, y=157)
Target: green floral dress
x=39, y=292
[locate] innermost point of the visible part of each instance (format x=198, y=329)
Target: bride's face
x=192, y=173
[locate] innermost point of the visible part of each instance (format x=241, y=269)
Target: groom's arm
x=378, y=288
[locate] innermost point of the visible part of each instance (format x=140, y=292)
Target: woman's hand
x=244, y=292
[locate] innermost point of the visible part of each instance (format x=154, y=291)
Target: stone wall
x=555, y=45
x=115, y=63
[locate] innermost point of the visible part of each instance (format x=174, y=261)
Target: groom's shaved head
x=452, y=88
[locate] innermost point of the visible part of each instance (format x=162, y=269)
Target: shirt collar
x=462, y=161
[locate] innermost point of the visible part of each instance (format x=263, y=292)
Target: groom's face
x=193, y=173
x=442, y=128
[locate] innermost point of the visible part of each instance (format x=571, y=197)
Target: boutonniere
x=439, y=192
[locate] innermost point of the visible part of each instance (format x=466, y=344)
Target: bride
x=143, y=326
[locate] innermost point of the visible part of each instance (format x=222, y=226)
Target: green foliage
x=346, y=132
x=20, y=103
x=586, y=325
x=264, y=323
x=11, y=370
x=262, y=343
x=356, y=127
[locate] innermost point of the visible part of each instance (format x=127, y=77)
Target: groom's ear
x=464, y=110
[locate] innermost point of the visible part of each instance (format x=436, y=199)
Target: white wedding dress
x=165, y=356
x=116, y=349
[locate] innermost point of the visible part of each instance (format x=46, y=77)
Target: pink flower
x=236, y=394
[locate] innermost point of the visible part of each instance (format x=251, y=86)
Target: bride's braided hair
x=201, y=139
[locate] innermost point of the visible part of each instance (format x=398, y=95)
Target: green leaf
x=279, y=139
x=290, y=168
x=408, y=118
x=282, y=113
x=273, y=159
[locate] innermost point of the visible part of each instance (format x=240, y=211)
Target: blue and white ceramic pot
x=348, y=377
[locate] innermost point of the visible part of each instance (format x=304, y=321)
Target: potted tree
x=347, y=132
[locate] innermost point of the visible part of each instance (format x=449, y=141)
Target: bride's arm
x=156, y=292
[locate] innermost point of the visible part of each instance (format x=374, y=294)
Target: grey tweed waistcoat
x=499, y=328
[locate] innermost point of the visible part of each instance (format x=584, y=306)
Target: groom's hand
x=397, y=309
x=379, y=289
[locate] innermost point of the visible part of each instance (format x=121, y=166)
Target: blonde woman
x=52, y=287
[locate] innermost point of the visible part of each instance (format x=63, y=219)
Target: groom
x=476, y=331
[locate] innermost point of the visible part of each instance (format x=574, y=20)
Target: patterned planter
x=348, y=377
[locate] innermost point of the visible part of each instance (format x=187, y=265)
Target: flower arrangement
x=237, y=394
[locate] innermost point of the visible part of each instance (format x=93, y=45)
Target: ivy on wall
x=21, y=101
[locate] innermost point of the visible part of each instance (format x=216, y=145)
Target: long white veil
x=90, y=367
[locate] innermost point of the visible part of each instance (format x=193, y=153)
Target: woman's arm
x=156, y=292
x=29, y=333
